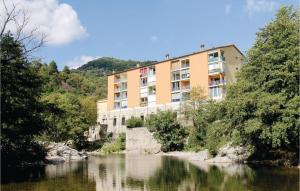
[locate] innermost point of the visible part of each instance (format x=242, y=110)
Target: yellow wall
x=232, y=63
x=199, y=70
x=110, y=92
x=133, y=88
x=163, y=82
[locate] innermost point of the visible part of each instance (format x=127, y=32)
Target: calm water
x=138, y=172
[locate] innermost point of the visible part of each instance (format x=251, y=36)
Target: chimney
x=167, y=56
x=202, y=47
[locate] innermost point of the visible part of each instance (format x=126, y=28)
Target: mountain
x=106, y=65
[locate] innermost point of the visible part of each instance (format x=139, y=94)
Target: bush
x=194, y=142
x=167, y=130
x=134, y=122
x=116, y=146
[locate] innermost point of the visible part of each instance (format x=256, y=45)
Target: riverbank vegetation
x=260, y=111
x=114, y=145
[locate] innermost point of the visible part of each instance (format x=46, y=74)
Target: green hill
x=106, y=65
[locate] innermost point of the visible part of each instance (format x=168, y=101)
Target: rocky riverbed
x=226, y=154
x=61, y=152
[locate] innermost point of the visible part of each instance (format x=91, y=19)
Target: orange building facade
x=171, y=80
x=166, y=85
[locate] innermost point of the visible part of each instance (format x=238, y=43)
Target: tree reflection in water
x=148, y=173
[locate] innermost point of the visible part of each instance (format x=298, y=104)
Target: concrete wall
x=140, y=140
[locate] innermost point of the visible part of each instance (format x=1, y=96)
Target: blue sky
x=147, y=30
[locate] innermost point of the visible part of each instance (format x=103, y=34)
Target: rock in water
x=60, y=152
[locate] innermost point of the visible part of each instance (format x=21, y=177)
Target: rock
x=60, y=152
x=203, y=155
x=231, y=154
x=55, y=159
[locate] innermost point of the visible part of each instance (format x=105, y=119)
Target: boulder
x=55, y=159
x=231, y=154
x=60, y=152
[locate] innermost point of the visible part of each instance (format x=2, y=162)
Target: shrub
x=193, y=142
x=167, y=130
x=116, y=146
x=134, y=122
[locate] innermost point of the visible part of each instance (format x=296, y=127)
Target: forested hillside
x=75, y=93
x=106, y=65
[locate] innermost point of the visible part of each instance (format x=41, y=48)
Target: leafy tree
x=21, y=109
x=167, y=130
x=52, y=67
x=134, y=122
x=262, y=108
x=66, y=70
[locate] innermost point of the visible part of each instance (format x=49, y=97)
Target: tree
x=52, y=67
x=66, y=70
x=262, y=108
x=167, y=130
x=21, y=112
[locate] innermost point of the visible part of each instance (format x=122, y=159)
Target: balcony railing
x=118, y=98
x=175, y=89
x=117, y=90
x=213, y=59
x=217, y=82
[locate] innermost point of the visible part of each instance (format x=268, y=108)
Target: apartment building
x=166, y=84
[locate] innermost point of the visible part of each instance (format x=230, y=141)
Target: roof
x=206, y=50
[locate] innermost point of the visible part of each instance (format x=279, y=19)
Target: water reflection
x=148, y=172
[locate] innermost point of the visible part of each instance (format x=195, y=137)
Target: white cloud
x=154, y=38
x=58, y=21
x=260, y=6
x=80, y=60
x=227, y=9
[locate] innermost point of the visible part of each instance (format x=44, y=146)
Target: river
x=148, y=172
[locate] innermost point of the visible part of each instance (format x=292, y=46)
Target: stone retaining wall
x=140, y=140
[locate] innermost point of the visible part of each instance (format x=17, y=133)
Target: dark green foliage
x=52, y=67
x=134, y=122
x=22, y=112
x=167, y=130
x=262, y=108
x=115, y=146
x=106, y=65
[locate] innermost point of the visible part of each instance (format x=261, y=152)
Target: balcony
x=117, y=98
x=116, y=90
x=216, y=83
x=213, y=59
x=215, y=68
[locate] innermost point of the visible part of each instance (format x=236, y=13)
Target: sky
x=78, y=31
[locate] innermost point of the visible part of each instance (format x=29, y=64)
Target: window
x=176, y=97
x=115, y=121
x=123, y=120
x=175, y=65
x=117, y=105
x=213, y=57
x=124, y=86
x=176, y=75
x=143, y=82
x=214, y=91
x=152, y=90
x=175, y=86
x=151, y=71
x=144, y=101
x=143, y=71
x=185, y=63
x=124, y=104
x=185, y=96
x=185, y=74
x=124, y=95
